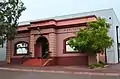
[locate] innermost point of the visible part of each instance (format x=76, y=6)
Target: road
x=4, y=74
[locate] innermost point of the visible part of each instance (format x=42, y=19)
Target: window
x=69, y=49
x=21, y=48
x=3, y=45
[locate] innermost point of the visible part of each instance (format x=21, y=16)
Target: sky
x=39, y=9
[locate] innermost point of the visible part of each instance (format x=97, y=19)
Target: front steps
x=37, y=62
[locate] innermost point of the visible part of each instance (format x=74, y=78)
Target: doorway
x=41, y=48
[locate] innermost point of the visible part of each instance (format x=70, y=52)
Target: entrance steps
x=37, y=62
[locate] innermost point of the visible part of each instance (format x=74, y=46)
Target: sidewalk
x=63, y=69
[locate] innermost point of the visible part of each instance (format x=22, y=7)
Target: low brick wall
x=70, y=61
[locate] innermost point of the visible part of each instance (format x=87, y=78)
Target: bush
x=92, y=66
x=100, y=64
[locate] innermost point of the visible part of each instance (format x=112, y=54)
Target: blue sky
x=38, y=9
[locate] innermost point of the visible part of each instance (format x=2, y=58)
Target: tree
x=93, y=39
x=10, y=11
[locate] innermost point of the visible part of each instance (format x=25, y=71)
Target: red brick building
x=44, y=42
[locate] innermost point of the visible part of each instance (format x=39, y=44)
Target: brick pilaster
x=52, y=44
x=31, y=48
x=8, y=51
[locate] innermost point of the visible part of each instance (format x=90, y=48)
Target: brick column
x=52, y=44
x=8, y=44
x=31, y=48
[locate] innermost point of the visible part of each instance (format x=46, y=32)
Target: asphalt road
x=4, y=74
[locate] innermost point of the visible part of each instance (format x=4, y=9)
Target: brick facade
x=55, y=32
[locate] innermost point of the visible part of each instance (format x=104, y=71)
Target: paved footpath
x=14, y=74
x=64, y=70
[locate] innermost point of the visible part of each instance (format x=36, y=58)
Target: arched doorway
x=41, y=48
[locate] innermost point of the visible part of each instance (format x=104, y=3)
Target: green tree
x=10, y=11
x=93, y=39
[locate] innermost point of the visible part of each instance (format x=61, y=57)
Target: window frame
x=64, y=45
x=15, y=48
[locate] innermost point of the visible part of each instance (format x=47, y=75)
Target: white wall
x=116, y=23
x=3, y=52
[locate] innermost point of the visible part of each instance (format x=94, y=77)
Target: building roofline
x=60, y=17
x=42, y=20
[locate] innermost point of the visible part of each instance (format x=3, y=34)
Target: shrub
x=100, y=64
x=92, y=66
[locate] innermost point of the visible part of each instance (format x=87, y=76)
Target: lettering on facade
x=70, y=29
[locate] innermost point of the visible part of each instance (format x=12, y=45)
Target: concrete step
x=34, y=62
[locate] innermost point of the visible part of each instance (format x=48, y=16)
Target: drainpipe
x=117, y=41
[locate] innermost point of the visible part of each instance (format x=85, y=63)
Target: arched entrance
x=41, y=48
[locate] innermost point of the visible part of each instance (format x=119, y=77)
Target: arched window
x=21, y=48
x=67, y=47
